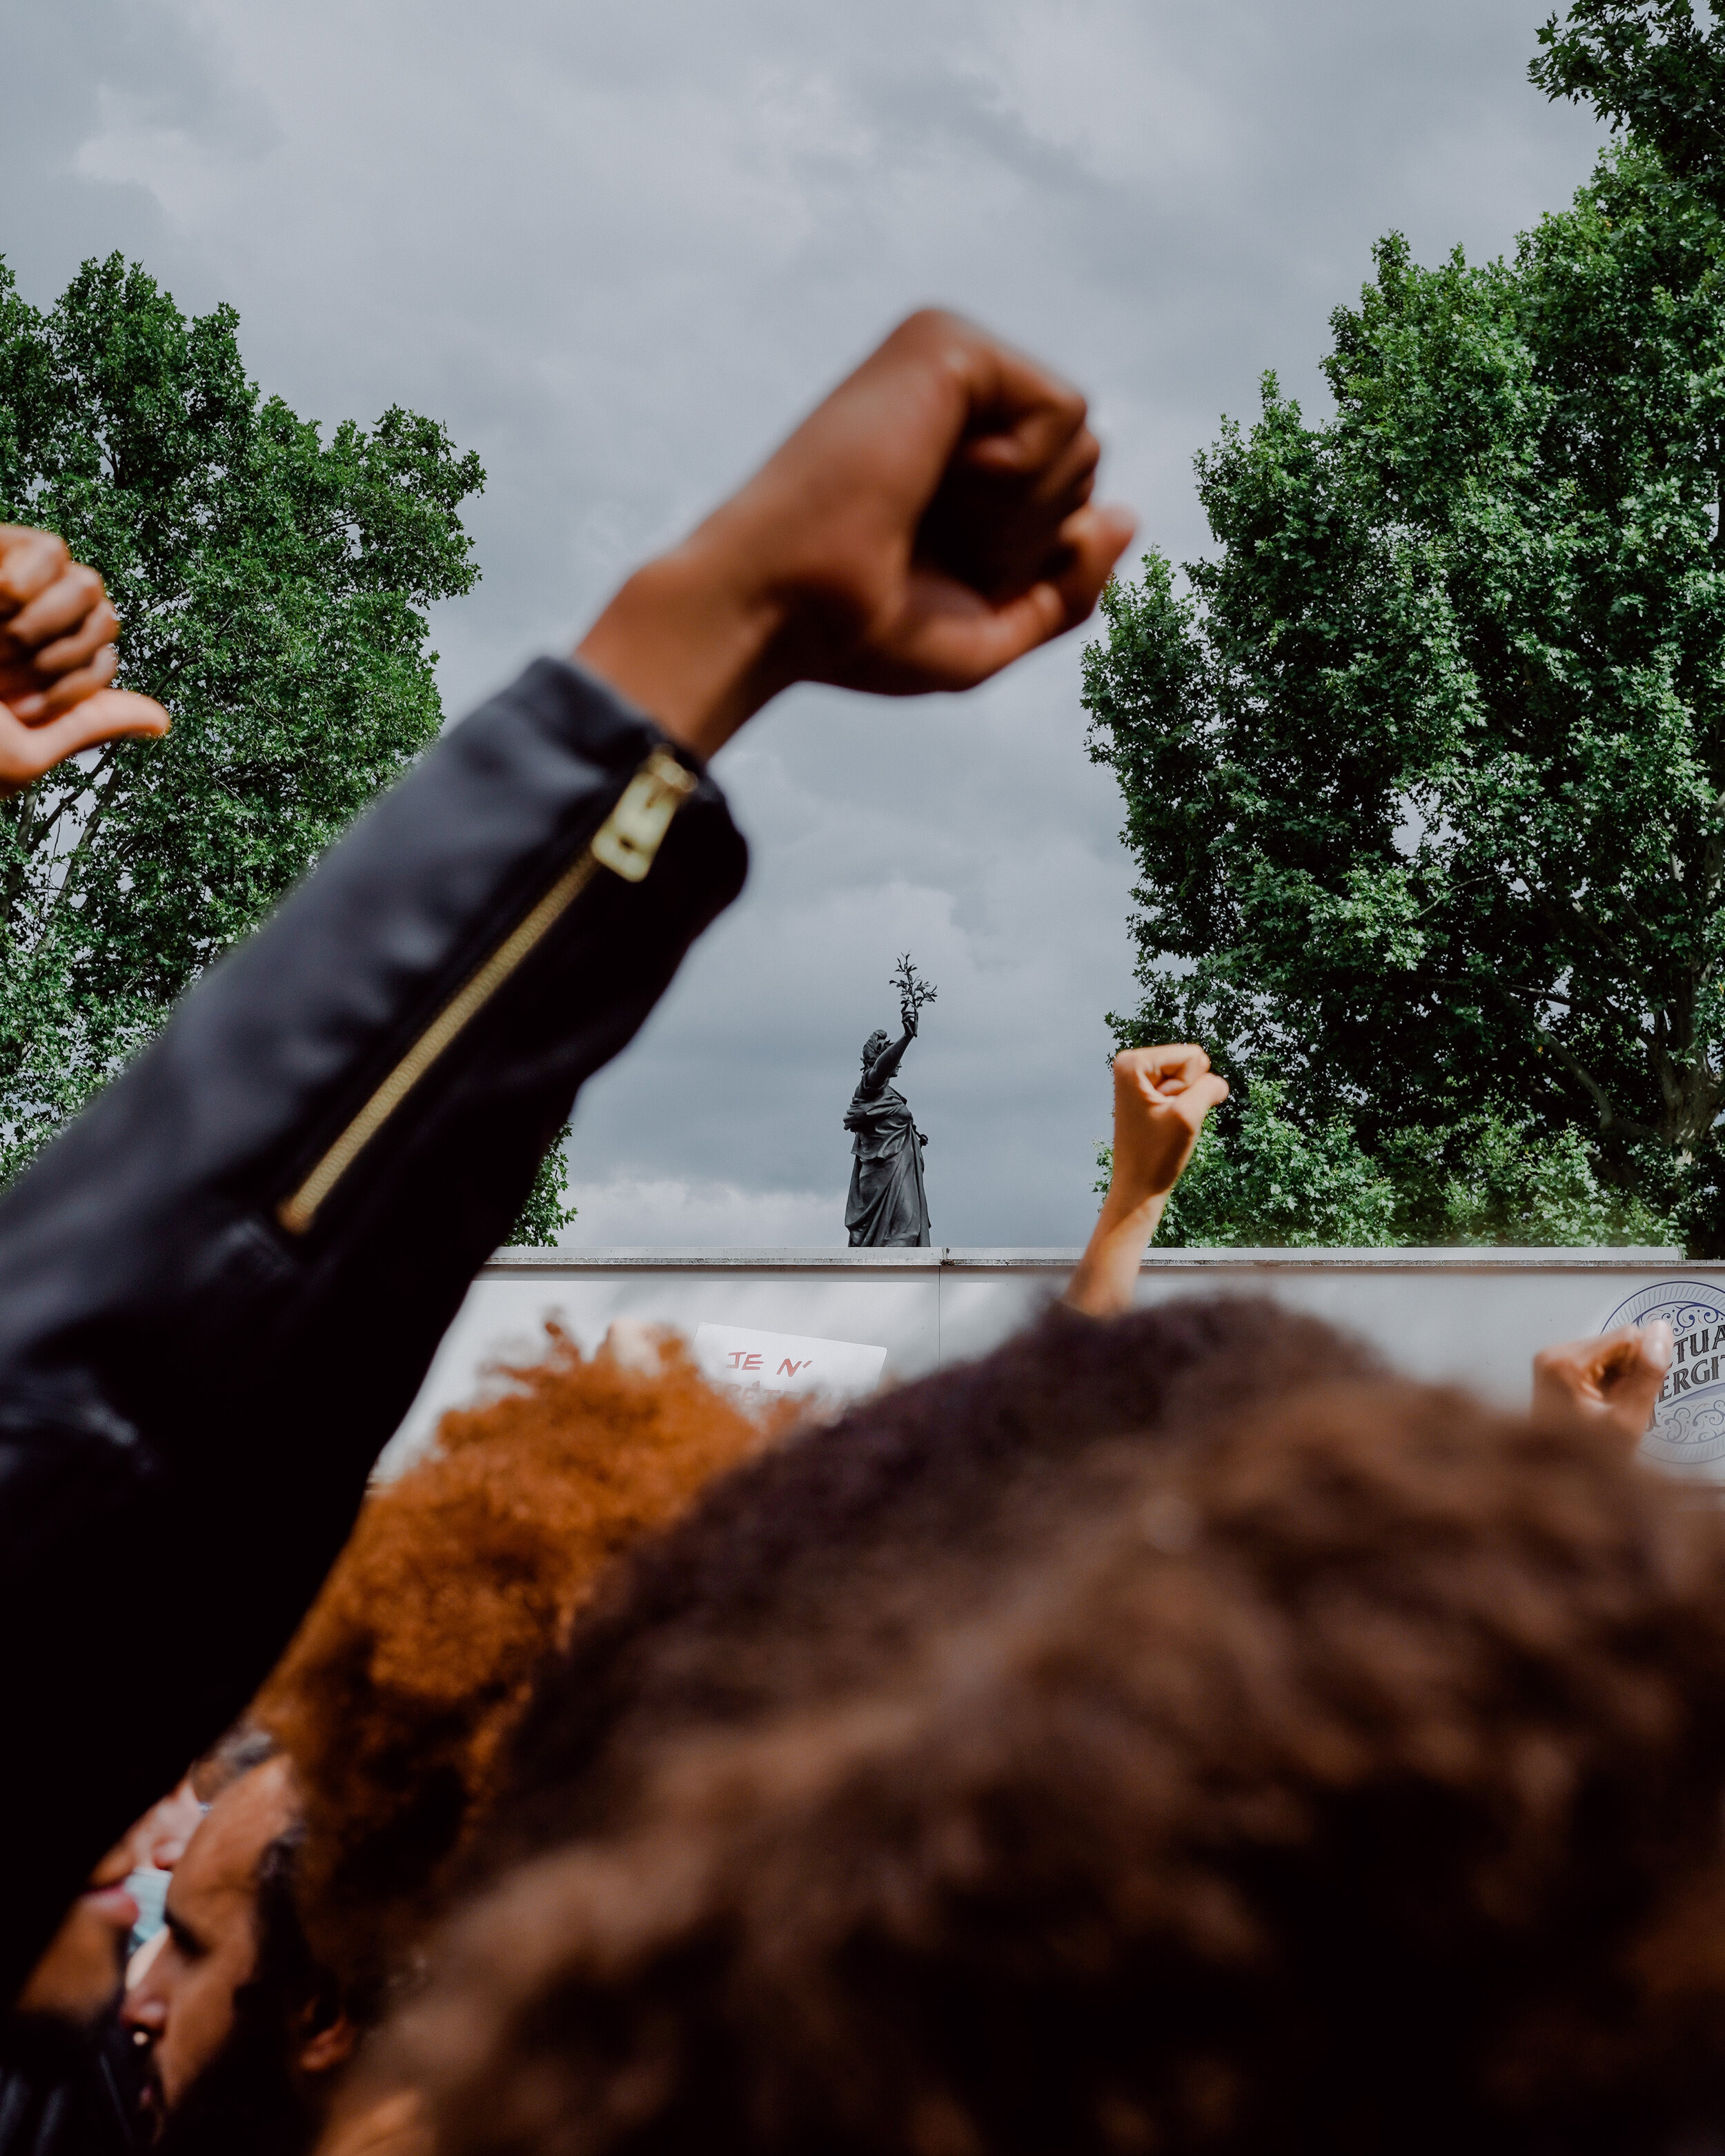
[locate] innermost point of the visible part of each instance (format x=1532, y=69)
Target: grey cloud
x=617, y=249
x=64, y=66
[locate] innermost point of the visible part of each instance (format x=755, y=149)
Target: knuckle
x=941, y=335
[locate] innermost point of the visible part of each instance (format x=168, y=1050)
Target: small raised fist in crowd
x=1615, y=1376
x=1160, y=1098
x=57, y=659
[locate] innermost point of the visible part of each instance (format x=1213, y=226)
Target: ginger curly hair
x=398, y=1689
x=1343, y=1773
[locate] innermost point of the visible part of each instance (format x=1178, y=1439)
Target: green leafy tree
x=544, y=1216
x=1265, y=1178
x=273, y=585
x=1271, y=1181
x=1502, y=1179
x=1649, y=67
x=1422, y=767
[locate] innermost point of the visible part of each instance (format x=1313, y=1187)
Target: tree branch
x=1610, y=1120
x=100, y=778
x=1562, y=915
x=1603, y=1106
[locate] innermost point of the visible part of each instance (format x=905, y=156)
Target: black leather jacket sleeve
x=192, y=1392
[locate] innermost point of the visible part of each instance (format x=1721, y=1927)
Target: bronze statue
x=888, y=1205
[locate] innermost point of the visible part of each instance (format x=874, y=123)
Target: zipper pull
x=629, y=837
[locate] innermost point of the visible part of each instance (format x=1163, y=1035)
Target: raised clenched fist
x=1614, y=1379
x=1160, y=1098
x=927, y=524
x=57, y=658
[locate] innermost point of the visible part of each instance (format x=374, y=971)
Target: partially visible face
x=77, y=1979
x=183, y=2002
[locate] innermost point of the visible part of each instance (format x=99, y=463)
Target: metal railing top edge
x=576, y=1259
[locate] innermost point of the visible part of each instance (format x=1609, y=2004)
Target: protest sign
x=787, y=1362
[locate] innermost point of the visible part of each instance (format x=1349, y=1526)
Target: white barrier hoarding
x=1473, y=1317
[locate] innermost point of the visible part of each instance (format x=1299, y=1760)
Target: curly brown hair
x=1345, y=1777
x=399, y=1687
x=800, y=1559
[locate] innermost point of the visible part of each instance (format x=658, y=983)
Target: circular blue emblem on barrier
x=1689, y=1420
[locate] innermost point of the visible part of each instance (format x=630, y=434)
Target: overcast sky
x=618, y=247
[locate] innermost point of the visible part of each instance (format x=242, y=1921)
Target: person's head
x=1345, y=1776
x=79, y=1975
x=798, y=1558
x=243, y=2028
x=77, y=1978
x=876, y=1044
x=460, y=1578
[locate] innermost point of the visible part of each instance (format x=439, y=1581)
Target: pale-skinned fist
x=1615, y=1378
x=57, y=658
x=1160, y=1098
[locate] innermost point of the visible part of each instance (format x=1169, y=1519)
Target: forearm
x=1106, y=1277
x=885, y=1067
x=690, y=637
x=205, y=1334
x=245, y=1254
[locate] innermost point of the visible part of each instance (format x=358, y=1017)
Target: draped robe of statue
x=888, y=1204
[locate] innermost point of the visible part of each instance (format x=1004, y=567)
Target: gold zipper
x=625, y=843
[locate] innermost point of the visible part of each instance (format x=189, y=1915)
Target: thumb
x=28, y=753
x=1200, y=1097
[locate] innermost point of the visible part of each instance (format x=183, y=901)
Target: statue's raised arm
x=888, y=1204
x=882, y=1055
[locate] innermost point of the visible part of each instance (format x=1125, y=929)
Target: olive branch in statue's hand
x=913, y=992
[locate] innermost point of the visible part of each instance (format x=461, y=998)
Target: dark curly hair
x=800, y=1560
x=1345, y=1775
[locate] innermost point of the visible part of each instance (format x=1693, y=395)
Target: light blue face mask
x=149, y=1889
